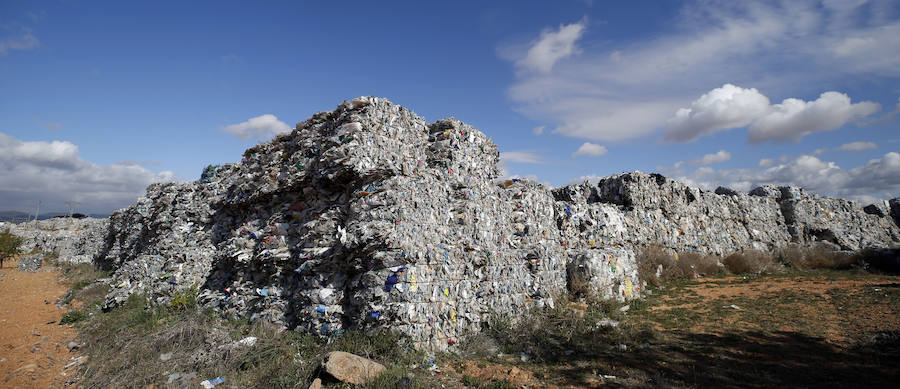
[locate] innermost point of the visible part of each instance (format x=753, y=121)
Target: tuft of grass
x=73, y=317
x=184, y=300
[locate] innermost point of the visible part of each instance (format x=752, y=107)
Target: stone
x=350, y=368
x=316, y=384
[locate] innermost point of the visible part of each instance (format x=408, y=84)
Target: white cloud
x=54, y=173
x=719, y=109
x=590, y=149
x=819, y=151
x=263, y=126
x=520, y=157
x=765, y=162
x=873, y=50
x=858, y=146
x=793, y=118
x=879, y=178
x=709, y=159
x=552, y=46
x=24, y=41
x=732, y=107
x=625, y=89
x=592, y=179
x=538, y=130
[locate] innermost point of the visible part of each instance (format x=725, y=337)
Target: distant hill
x=18, y=216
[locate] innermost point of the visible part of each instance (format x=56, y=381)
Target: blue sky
x=98, y=99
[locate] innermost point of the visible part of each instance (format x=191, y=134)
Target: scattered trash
x=212, y=383
x=732, y=306
x=524, y=357
x=165, y=356
x=607, y=323
x=248, y=341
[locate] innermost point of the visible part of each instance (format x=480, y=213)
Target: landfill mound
x=361, y=217
x=368, y=216
x=75, y=240
x=638, y=209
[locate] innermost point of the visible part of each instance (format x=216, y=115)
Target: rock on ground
x=350, y=368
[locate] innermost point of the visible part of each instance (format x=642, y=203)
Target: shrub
x=750, y=261
x=657, y=265
x=818, y=256
x=652, y=262
x=10, y=245
x=185, y=299
x=691, y=264
x=73, y=317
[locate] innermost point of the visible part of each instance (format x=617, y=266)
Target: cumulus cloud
x=520, y=157
x=879, y=178
x=263, y=126
x=732, y=107
x=616, y=90
x=794, y=118
x=765, y=162
x=590, y=149
x=709, y=159
x=552, y=46
x=719, y=109
x=25, y=40
x=858, y=146
x=54, y=173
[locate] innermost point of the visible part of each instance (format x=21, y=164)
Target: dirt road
x=33, y=346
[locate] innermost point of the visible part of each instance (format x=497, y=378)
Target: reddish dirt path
x=33, y=349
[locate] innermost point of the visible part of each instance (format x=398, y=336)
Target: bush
x=656, y=265
x=10, y=245
x=750, y=261
x=184, y=300
x=818, y=256
x=73, y=317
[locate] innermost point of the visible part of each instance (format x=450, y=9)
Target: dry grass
x=657, y=265
x=751, y=262
x=126, y=345
x=817, y=256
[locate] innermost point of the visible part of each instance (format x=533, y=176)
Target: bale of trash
x=30, y=263
x=75, y=240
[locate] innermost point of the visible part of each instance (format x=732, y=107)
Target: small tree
x=9, y=245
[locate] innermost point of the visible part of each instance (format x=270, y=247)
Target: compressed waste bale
x=74, y=240
x=895, y=210
x=30, y=263
x=637, y=209
x=366, y=216
x=812, y=218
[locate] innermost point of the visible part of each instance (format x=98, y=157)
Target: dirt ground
x=33, y=346
x=832, y=329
